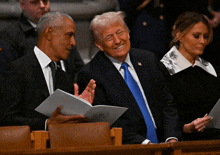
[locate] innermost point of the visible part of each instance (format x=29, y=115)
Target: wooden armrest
x=40, y=139
x=116, y=135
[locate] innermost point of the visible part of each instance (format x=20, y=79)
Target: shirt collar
x=118, y=64
x=32, y=23
x=43, y=59
x=176, y=62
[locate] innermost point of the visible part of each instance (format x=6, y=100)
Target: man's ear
x=48, y=33
x=99, y=46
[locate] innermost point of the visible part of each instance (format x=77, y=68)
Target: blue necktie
x=132, y=84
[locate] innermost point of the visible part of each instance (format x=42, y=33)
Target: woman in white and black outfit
x=194, y=82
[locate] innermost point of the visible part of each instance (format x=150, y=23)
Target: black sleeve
x=14, y=110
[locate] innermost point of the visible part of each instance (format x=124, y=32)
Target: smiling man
x=22, y=37
x=151, y=115
x=30, y=79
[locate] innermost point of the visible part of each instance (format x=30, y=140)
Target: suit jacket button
x=145, y=23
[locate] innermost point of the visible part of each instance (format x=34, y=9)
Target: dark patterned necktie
x=133, y=86
x=52, y=65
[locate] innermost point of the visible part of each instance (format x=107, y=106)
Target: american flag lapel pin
x=139, y=64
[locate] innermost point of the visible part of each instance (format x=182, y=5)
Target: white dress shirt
x=44, y=61
x=32, y=24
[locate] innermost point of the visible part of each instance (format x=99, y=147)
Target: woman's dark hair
x=185, y=23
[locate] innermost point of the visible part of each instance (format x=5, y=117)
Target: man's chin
x=66, y=56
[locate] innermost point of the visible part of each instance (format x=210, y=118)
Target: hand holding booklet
x=215, y=114
x=73, y=105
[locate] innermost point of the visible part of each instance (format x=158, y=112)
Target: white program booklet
x=215, y=113
x=73, y=105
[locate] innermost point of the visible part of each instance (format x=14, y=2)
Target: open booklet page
x=215, y=113
x=73, y=105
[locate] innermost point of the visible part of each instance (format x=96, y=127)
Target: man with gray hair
x=35, y=76
x=22, y=37
x=130, y=78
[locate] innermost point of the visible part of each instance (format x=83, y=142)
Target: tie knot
x=52, y=65
x=58, y=64
x=124, y=66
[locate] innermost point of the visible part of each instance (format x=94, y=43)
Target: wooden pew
x=206, y=147
x=137, y=149
x=20, y=137
x=15, y=137
x=40, y=138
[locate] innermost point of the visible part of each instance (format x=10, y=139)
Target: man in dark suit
x=30, y=78
x=22, y=35
x=7, y=55
x=111, y=36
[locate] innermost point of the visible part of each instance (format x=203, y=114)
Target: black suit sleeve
x=18, y=103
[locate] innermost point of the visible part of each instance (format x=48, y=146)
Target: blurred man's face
x=35, y=9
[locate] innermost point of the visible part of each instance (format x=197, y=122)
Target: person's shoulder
x=217, y=69
x=143, y=55
x=18, y=68
x=99, y=57
x=97, y=62
x=16, y=28
x=4, y=44
x=93, y=61
x=141, y=52
x=24, y=60
x=11, y=31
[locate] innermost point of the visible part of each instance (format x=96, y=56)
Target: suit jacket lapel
x=143, y=74
x=36, y=70
x=107, y=68
x=141, y=68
